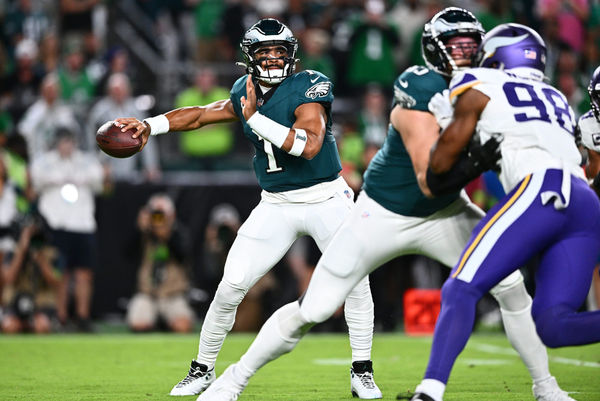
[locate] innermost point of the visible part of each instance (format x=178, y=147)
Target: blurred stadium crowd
x=68, y=66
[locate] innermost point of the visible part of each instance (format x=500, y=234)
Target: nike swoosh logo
x=312, y=81
x=403, y=84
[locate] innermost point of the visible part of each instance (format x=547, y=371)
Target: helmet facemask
x=445, y=25
x=266, y=33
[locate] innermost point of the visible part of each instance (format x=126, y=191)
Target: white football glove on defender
x=440, y=107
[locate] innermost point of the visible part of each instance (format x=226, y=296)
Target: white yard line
x=489, y=348
x=494, y=349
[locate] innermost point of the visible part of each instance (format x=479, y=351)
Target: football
x=117, y=143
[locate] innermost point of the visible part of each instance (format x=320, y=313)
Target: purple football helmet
x=514, y=48
x=594, y=91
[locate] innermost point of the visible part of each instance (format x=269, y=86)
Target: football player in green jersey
x=394, y=216
x=287, y=117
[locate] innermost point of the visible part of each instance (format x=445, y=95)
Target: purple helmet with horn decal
x=514, y=48
x=594, y=91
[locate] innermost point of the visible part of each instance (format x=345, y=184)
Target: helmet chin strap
x=453, y=67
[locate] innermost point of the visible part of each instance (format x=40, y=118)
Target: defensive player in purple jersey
x=549, y=210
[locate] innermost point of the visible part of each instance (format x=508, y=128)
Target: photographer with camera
x=223, y=224
x=163, y=280
x=32, y=282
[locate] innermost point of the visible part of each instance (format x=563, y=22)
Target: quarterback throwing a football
x=287, y=117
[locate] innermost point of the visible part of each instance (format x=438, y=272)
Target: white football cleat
x=197, y=380
x=362, y=384
x=225, y=388
x=548, y=390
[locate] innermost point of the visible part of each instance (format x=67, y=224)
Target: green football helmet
x=269, y=32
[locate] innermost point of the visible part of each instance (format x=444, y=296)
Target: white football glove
x=440, y=107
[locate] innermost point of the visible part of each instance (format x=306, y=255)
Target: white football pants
x=373, y=235
x=261, y=242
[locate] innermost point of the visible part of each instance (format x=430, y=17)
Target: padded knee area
x=228, y=297
x=552, y=326
x=292, y=324
x=325, y=294
x=318, y=315
x=513, y=298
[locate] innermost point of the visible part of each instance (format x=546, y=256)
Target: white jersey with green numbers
x=277, y=170
x=390, y=178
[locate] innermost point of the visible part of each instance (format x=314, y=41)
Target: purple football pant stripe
x=568, y=242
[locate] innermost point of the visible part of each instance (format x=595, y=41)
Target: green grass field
x=145, y=367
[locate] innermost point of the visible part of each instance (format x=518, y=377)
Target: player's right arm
x=182, y=119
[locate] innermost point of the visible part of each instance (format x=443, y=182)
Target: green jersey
x=390, y=178
x=277, y=170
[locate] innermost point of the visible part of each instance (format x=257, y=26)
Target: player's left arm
x=312, y=119
x=304, y=138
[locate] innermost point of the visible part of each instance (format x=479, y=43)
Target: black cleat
x=421, y=397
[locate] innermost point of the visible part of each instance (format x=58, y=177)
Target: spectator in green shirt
x=211, y=141
x=372, y=45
